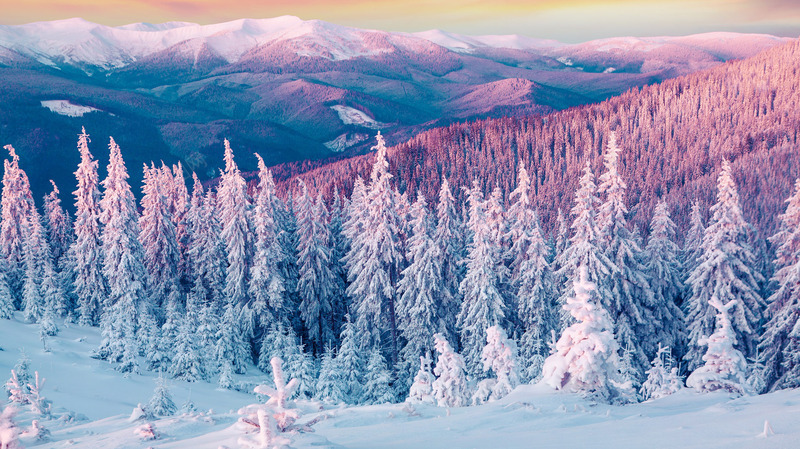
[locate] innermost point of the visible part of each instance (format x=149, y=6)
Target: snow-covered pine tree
x=449, y=238
x=522, y=219
x=157, y=236
x=338, y=246
x=267, y=289
x=586, y=359
x=779, y=348
x=207, y=254
x=375, y=267
x=562, y=234
x=420, y=309
x=61, y=236
x=450, y=386
x=6, y=300
x=36, y=254
x=662, y=379
x=17, y=203
x=316, y=284
x=350, y=361
x=583, y=249
x=535, y=291
x=377, y=380
x=57, y=225
x=9, y=432
x=89, y=285
x=725, y=272
x=180, y=207
x=482, y=289
x=692, y=244
x=632, y=302
x=664, y=270
x=231, y=351
x=127, y=305
x=500, y=356
x=233, y=207
x=725, y=366
x=161, y=403
x=187, y=359
x=421, y=391
x=330, y=381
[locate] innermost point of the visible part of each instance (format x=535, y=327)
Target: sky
x=566, y=21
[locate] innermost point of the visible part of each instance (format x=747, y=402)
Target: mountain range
x=296, y=90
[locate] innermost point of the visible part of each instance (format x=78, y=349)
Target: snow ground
x=532, y=416
x=352, y=116
x=65, y=107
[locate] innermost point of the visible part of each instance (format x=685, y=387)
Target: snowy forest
x=382, y=296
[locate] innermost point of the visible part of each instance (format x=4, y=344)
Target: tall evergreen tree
x=232, y=207
x=449, y=238
x=632, y=300
x=692, y=246
x=779, y=348
x=61, y=237
x=267, y=289
x=17, y=204
x=374, y=268
x=338, y=245
x=724, y=272
x=127, y=306
x=664, y=270
x=157, y=236
x=206, y=250
x=350, y=360
x=420, y=309
x=584, y=246
x=484, y=304
x=317, y=282
x=90, y=285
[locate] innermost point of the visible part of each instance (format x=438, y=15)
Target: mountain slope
x=173, y=91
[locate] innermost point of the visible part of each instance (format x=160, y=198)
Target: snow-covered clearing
x=531, y=416
x=352, y=116
x=66, y=107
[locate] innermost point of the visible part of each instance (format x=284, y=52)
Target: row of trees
x=350, y=292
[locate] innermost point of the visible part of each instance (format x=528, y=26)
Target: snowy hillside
x=101, y=401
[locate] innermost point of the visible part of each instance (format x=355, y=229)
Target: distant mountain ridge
x=295, y=90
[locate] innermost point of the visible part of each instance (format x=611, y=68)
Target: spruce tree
x=90, y=285
x=350, y=360
x=420, y=308
x=377, y=378
x=632, y=300
x=450, y=386
x=330, y=382
x=724, y=272
x=449, y=238
x=316, y=285
x=17, y=203
x=779, y=347
x=664, y=270
x=127, y=305
x=187, y=361
x=484, y=304
x=61, y=236
x=374, y=267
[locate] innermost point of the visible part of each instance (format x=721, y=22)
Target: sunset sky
x=568, y=21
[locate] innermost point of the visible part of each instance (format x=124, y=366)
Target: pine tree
x=180, y=207
x=421, y=391
x=187, y=361
x=316, y=282
x=724, y=271
x=484, y=305
x=161, y=404
x=420, y=308
x=450, y=386
x=157, y=236
x=375, y=266
x=17, y=204
x=500, y=356
x=60, y=236
x=632, y=301
x=90, y=285
x=449, y=238
x=267, y=289
x=232, y=208
x=692, y=244
x=338, y=246
x=206, y=252
x=36, y=254
x=6, y=300
x=352, y=364
x=586, y=359
x=127, y=305
x=231, y=350
x=377, y=378
x=662, y=379
x=9, y=432
x=330, y=382
x=725, y=366
x=535, y=287
x=779, y=347
x=584, y=249
x=562, y=234
x=664, y=271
